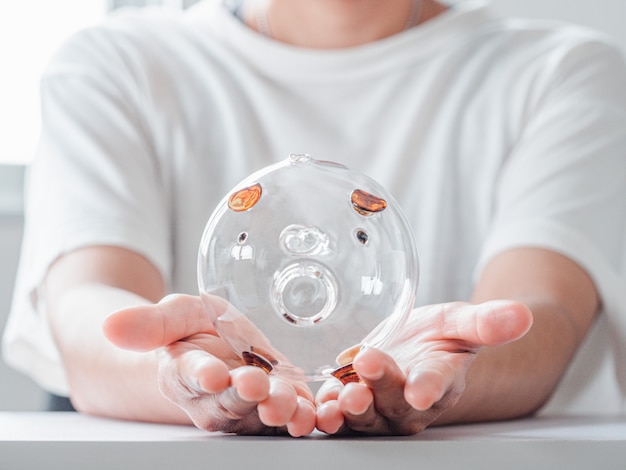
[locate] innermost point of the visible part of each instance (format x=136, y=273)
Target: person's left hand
x=422, y=372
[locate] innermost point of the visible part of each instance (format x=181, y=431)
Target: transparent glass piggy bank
x=305, y=262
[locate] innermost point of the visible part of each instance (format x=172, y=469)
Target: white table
x=75, y=441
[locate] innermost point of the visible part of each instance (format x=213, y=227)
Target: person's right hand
x=201, y=374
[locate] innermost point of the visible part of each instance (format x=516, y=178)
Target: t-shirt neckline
x=284, y=62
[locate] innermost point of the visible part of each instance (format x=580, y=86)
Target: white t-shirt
x=492, y=133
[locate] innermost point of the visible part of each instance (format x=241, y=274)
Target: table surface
x=73, y=440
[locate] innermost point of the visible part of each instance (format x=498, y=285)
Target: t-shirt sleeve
x=96, y=180
x=564, y=186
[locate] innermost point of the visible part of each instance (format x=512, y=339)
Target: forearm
x=517, y=379
x=104, y=379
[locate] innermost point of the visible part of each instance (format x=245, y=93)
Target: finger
x=238, y=403
x=204, y=372
x=280, y=406
x=303, y=420
x=356, y=402
x=252, y=384
x=329, y=418
x=386, y=381
x=488, y=324
x=328, y=391
x=186, y=372
x=355, y=399
x=303, y=390
x=429, y=382
x=148, y=327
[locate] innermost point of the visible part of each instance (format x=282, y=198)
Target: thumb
x=149, y=327
x=488, y=324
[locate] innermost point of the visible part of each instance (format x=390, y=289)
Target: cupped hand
x=421, y=372
x=201, y=374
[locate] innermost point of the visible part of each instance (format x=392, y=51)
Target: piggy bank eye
x=241, y=239
x=245, y=198
x=367, y=204
x=362, y=237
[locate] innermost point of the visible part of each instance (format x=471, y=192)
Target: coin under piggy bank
x=305, y=262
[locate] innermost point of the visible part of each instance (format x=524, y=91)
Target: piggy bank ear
x=245, y=198
x=367, y=204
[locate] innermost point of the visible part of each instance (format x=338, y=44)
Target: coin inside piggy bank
x=305, y=262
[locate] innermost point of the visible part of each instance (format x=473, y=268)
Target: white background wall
x=19, y=393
